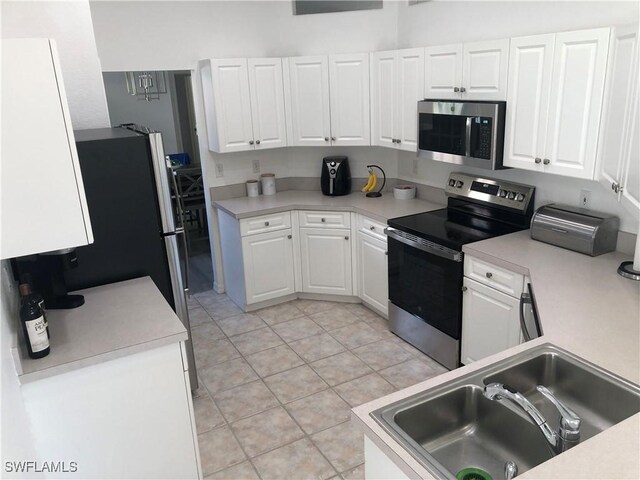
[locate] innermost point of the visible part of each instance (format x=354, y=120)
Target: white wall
x=125, y=108
x=69, y=23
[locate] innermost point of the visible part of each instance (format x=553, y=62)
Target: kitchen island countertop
x=381, y=208
x=116, y=320
x=584, y=307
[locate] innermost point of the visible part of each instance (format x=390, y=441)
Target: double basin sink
x=454, y=428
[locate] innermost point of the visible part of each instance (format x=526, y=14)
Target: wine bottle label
x=37, y=330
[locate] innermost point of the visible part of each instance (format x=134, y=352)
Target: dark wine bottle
x=34, y=324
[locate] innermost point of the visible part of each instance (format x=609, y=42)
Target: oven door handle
x=424, y=245
x=468, y=139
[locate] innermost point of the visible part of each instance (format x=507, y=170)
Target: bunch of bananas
x=372, y=182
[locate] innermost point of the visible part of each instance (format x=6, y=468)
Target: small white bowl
x=404, y=192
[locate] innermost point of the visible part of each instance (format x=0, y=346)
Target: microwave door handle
x=468, y=139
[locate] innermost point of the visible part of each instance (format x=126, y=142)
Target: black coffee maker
x=335, y=178
x=46, y=271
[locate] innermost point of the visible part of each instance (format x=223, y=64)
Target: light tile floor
x=277, y=385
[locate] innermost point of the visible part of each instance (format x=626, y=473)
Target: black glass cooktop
x=452, y=228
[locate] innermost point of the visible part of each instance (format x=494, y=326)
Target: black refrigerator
x=137, y=231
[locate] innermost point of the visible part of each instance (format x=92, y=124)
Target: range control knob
x=503, y=193
x=452, y=182
x=520, y=197
x=511, y=195
x=459, y=183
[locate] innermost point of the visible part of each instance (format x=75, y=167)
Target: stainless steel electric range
x=426, y=259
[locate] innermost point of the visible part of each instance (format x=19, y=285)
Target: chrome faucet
x=568, y=434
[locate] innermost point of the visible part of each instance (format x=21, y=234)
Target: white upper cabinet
x=618, y=146
x=225, y=85
x=328, y=100
x=349, y=93
x=267, y=102
x=307, y=95
x=529, y=87
x=556, y=86
x=577, y=88
x=474, y=71
x=43, y=204
x=397, y=84
x=484, y=70
x=244, y=104
x=443, y=71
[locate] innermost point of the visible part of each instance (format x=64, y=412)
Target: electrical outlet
x=219, y=170
x=415, y=166
x=256, y=166
x=585, y=198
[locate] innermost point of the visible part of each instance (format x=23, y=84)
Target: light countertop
x=381, y=208
x=584, y=307
x=116, y=320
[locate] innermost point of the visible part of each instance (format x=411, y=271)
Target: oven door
x=425, y=280
x=462, y=133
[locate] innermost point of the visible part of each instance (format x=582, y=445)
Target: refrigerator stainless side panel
x=180, y=293
x=161, y=174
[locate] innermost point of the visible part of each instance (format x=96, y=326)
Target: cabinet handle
x=333, y=139
x=289, y=237
x=617, y=188
x=257, y=142
x=462, y=89
x=346, y=237
x=538, y=160
x=464, y=289
x=613, y=186
x=250, y=142
x=326, y=139
x=266, y=224
x=546, y=161
x=386, y=253
x=489, y=274
x=372, y=227
x=398, y=141
x=456, y=89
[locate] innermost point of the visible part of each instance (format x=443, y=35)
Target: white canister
x=268, y=183
x=252, y=188
x=404, y=192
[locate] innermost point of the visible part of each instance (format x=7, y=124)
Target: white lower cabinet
x=268, y=265
x=326, y=260
x=373, y=287
x=490, y=318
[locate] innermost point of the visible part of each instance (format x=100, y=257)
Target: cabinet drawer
x=265, y=223
x=372, y=227
x=488, y=274
x=325, y=219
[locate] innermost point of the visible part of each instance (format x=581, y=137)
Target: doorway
x=163, y=101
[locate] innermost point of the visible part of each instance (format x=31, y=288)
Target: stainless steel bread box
x=578, y=229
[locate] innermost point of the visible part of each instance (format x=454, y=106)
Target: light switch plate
x=219, y=170
x=256, y=166
x=585, y=198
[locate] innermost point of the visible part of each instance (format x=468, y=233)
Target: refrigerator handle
x=180, y=212
x=180, y=231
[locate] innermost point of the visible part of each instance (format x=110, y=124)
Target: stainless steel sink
x=453, y=426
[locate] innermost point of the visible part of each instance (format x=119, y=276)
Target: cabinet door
x=267, y=102
x=617, y=105
x=373, y=285
x=410, y=68
x=577, y=88
x=383, y=98
x=43, y=204
x=268, y=265
x=350, y=103
x=309, y=101
x=484, y=70
x=490, y=321
x=229, y=112
x=630, y=198
x=326, y=260
x=529, y=87
x=443, y=71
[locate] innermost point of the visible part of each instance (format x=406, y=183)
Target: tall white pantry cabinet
x=43, y=204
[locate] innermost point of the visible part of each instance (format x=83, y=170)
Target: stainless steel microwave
x=462, y=132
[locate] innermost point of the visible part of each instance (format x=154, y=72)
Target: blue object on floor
x=179, y=158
